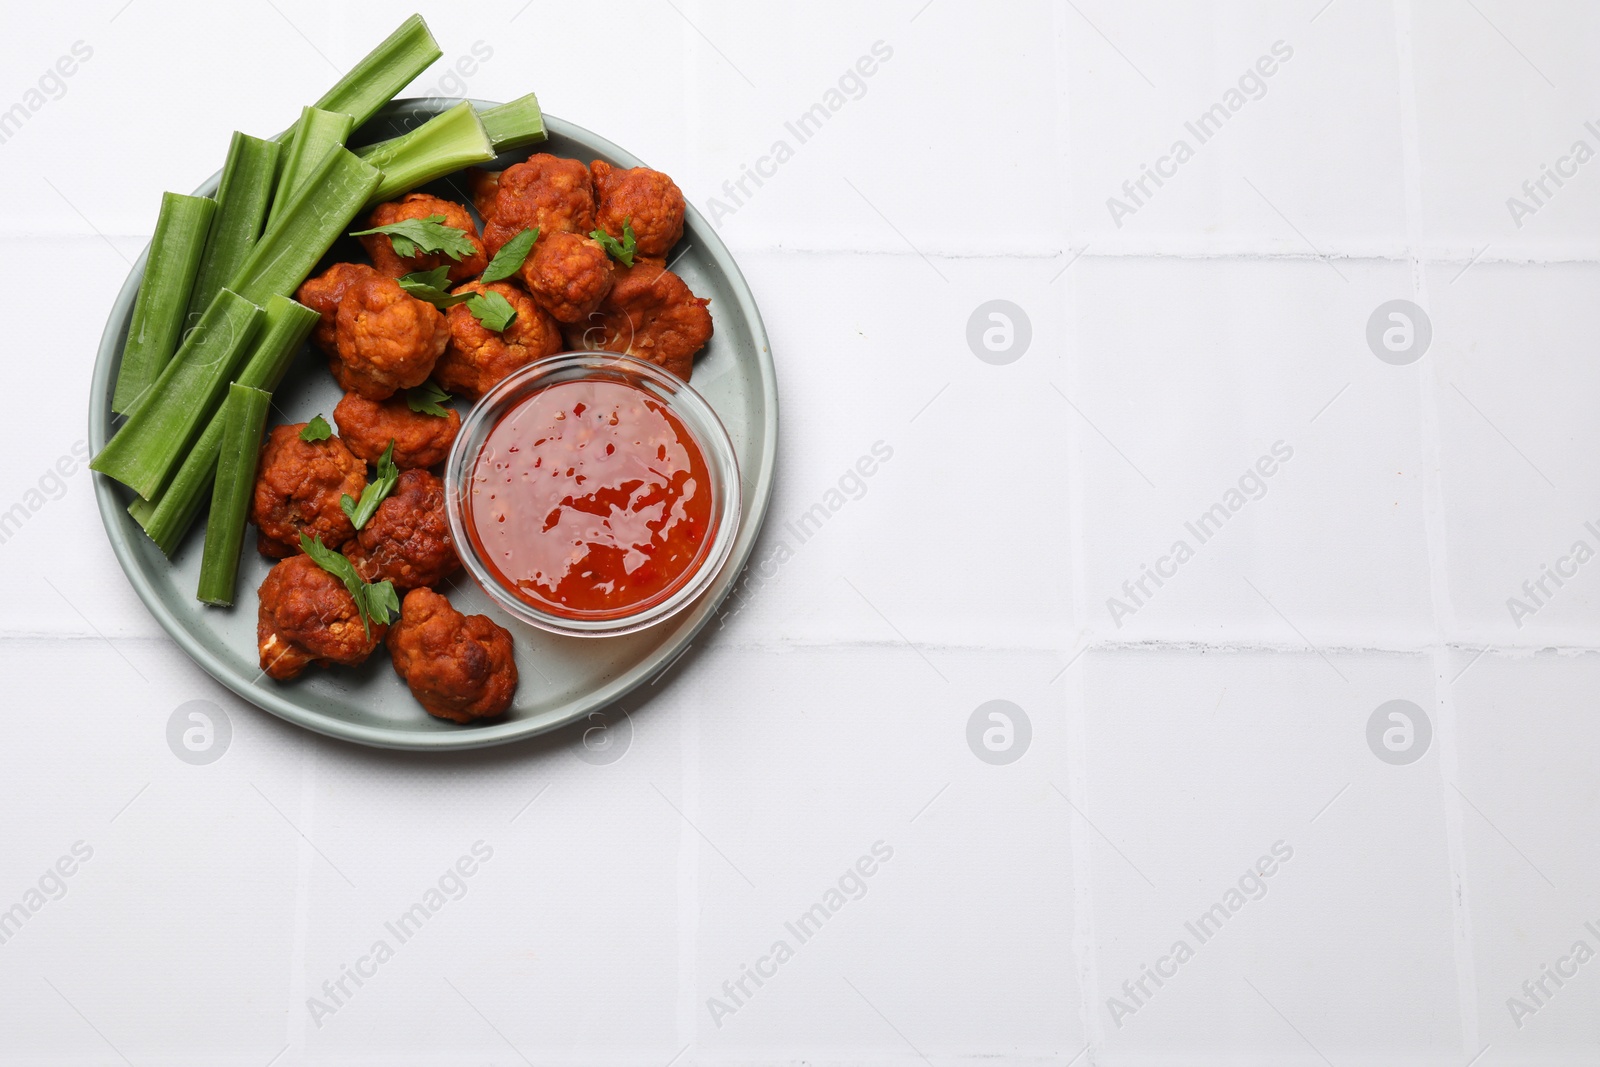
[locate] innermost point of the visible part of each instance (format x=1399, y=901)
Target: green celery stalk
x=154, y=440
x=244, y=418
x=515, y=124
x=313, y=220
x=163, y=299
x=443, y=145
x=374, y=81
x=168, y=517
x=316, y=134
x=242, y=199
x=387, y=69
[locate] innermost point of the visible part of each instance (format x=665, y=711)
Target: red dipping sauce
x=590, y=500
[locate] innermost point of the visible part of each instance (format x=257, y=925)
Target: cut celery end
x=163, y=300
x=316, y=134
x=168, y=517
x=514, y=125
x=242, y=199
x=444, y=144
x=244, y=418
x=154, y=440
x=313, y=220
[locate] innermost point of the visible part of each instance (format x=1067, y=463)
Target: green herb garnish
x=509, y=259
x=376, y=601
x=491, y=309
x=359, y=512
x=428, y=399
x=316, y=430
x=410, y=236
x=622, y=250
x=430, y=285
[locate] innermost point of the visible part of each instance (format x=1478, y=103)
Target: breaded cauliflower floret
x=650, y=314
x=547, y=191
x=407, y=541
x=388, y=340
x=322, y=295
x=420, y=440
x=484, y=184
x=477, y=357
x=459, y=667
x=567, y=274
x=307, y=616
x=647, y=200
x=421, y=206
x=298, y=486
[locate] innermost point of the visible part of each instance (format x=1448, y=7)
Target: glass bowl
x=680, y=400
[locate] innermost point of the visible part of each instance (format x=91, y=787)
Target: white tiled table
x=1225, y=716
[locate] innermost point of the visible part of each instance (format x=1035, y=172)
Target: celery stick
x=314, y=219
x=443, y=145
x=154, y=440
x=387, y=69
x=244, y=417
x=168, y=517
x=373, y=82
x=316, y=134
x=242, y=199
x=163, y=298
x=514, y=125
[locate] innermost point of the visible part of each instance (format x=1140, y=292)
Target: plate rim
x=280, y=702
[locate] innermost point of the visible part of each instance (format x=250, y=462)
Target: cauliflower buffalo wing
x=420, y=440
x=307, y=616
x=567, y=274
x=421, y=206
x=407, y=541
x=322, y=295
x=387, y=339
x=645, y=199
x=459, y=667
x=484, y=185
x=547, y=191
x=298, y=486
x=476, y=357
x=650, y=313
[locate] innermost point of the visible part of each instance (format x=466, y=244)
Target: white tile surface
x=830, y=712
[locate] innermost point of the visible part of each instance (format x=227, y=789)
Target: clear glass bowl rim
x=680, y=398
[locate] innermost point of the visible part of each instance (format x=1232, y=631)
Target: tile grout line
x=299, y=980
x=1074, y=710
x=1179, y=251
x=688, y=875
x=688, y=884
x=1470, y=643
x=1436, y=530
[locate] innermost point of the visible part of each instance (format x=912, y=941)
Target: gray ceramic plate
x=562, y=679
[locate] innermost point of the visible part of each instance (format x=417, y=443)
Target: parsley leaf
x=622, y=250
x=509, y=259
x=383, y=603
x=411, y=236
x=430, y=285
x=360, y=512
x=428, y=399
x=376, y=601
x=491, y=309
x=316, y=430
